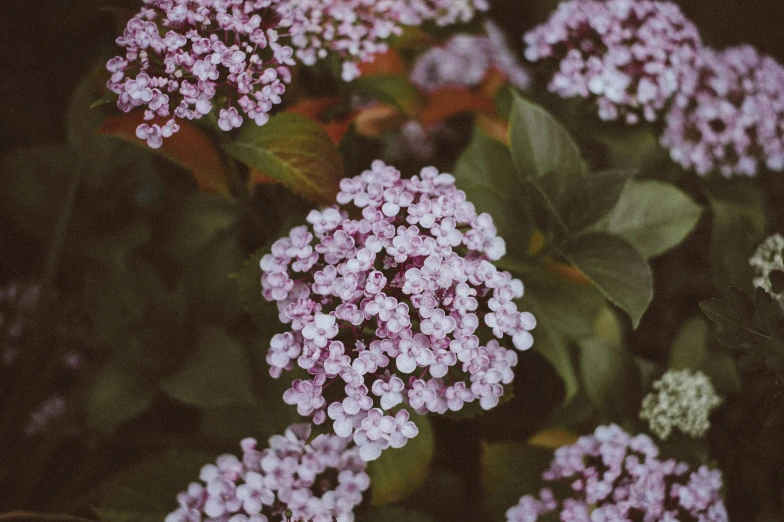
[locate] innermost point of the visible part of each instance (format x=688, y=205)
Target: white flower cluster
x=766, y=260
x=680, y=400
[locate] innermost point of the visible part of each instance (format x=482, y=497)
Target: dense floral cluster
x=769, y=259
x=617, y=478
x=630, y=56
x=465, y=60
x=680, y=400
x=320, y=481
x=183, y=55
x=732, y=118
x=357, y=29
x=388, y=309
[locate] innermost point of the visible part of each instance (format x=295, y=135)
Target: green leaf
x=295, y=151
x=690, y=346
x=147, y=492
x=611, y=378
x=740, y=324
x=539, y=144
x=738, y=226
x=202, y=219
x=509, y=471
x=118, y=393
x=589, y=198
x=398, y=472
x=615, y=267
x=395, y=90
x=485, y=172
x=653, y=216
x=217, y=374
x=392, y=514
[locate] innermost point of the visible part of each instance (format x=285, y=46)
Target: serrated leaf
x=118, y=393
x=509, y=471
x=615, y=267
x=739, y=324
x=539, y=144
x=611, y=378
x=294, y=151
x=217, y=374
x=147, y=492
x=398, y=472
x=653, y=216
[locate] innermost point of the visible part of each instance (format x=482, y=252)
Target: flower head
x=356, y=30
x=321, y=481
x=617, y=477
x=767, y=261
x=629, y=56
x=182, y=54
x=388, y=310
x=680, y=400
x=731, y=117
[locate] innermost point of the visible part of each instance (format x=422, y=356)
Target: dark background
x=47, y=45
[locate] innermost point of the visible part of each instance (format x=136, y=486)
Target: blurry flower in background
x=631, y=57
x=731, y=119
x=680, y=400
x=320, y=481
x=356, y=30
x=409, y=283
x=465, y=60
x=183, y=56
x=768, y=265
x=17, y=304
x=617, y=477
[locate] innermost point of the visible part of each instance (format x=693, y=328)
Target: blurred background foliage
x=163, y=271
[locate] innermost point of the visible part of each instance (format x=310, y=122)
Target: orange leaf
x=376, y=120
x=314, y=108
x=552, y=438
x=449, y=101
x=493, y=80
x=387, y=63
x=494, y=127
x=190, y=148
x=567, y=272
x=259, y=178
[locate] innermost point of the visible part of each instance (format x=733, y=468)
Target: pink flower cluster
x=630, y=56
x=183, y=55
x=320, y=481
x=357, y=29
x=465, y=60
x=387, y=309
x=732, y=119
x=618, y=478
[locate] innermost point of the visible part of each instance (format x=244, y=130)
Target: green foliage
x=294, y=151
x=752, y=328
x=615, y=267
x=611, y=378
x=395, y=90
x=392, y=514
x=540, y=145
x=217, y=374
x=691, y=350
x=653, y=216
x=485, y=172
x=399, y=472
x=509, y=471
x=118, y=393
x=147, y=491
x=738, y=226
